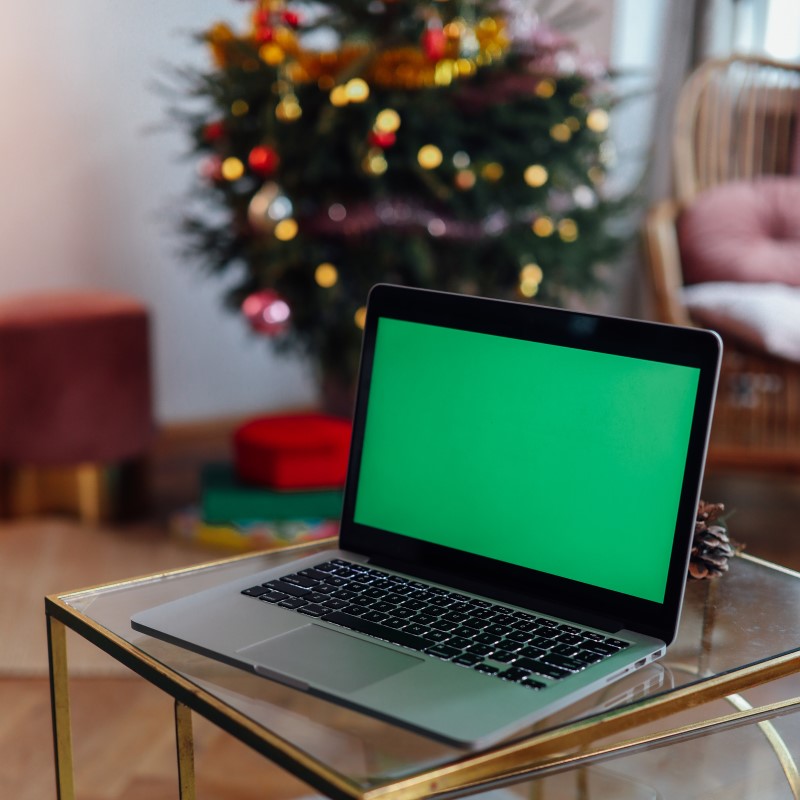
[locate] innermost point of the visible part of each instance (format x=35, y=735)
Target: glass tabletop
x=736, y=632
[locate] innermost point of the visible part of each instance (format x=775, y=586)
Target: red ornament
x=291, y=18
x=382, y=139
x=267, y=312
x=263, y=160
x=264, y=34
x=213, y=131
x=261, y=18
x=434, y=44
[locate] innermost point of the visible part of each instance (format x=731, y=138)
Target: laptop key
x=375, y=629
x=514, y=674
x=273, y=597
x=417, y=629
x=532, y=652
x=467, y=659
x=332, y=604
x=313, y=610
x=487, y=668
x=542, y=668
x=601, y=648
x=292, y=602
x=443, y=651
x=374, y=616
x=532, y=683
x=564, y=662
x=587, y=657
x=503, y=656
x=287, y=588
x=256, y=591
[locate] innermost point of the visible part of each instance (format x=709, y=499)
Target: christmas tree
x=451, y=144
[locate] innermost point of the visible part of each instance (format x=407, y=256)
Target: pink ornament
x=267, y=312
x=211, y=169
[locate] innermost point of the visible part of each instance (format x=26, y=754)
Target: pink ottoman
x=75, y=394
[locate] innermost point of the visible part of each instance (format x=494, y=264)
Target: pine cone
x=711, y=546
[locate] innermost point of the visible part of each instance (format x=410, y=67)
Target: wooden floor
x=124, y=745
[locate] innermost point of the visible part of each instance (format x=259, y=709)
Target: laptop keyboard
x=513, y=645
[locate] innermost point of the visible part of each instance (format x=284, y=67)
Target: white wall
x=88, y=189
x=90, y=186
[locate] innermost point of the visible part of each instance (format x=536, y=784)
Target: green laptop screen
x=562, y=460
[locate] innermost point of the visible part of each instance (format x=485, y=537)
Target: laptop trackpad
x=322, y=657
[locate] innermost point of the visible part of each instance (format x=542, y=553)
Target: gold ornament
x=232, y=169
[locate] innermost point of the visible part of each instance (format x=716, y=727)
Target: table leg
x=782, y=752
x=59, y=703
x=184, y=741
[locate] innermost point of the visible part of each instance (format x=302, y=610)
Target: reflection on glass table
x=738, y=632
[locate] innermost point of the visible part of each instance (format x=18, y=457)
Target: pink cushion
x=743, y=231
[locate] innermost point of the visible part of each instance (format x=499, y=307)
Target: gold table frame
x=567, y=746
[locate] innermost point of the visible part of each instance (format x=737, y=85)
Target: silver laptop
x=516, y=527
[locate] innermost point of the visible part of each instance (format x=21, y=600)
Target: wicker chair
x=736, y=120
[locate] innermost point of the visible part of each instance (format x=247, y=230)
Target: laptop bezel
x=505, y=582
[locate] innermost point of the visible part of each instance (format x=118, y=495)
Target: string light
x=492, y=171
x=597, y=120
x=356, y=90
x=288, y=110
x=387, y=121
x=464, y=179
x=568, y=230
x=374, y=162
x=360, y=317
x=545, y=88
x=286, y=230
x=429, y=156
x=561, y=132
x=535, y=175
x=543, y=226
x=326, y=275
x=239, y=108
x=338, y=96
x=530, y=277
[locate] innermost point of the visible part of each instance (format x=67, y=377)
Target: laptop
x=516, y=527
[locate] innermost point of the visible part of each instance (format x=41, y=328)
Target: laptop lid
x=546, y=458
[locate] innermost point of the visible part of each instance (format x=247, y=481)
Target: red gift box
x=293, y=451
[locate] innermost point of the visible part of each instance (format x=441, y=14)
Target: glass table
x=725, y=686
